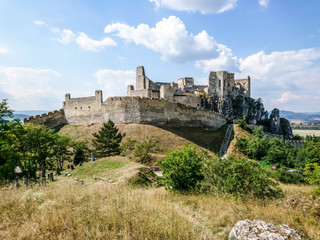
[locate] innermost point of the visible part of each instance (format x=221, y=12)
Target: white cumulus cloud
x=287, y=80
x=264, y=65
x=286, y=97
x=3, y=50
x=203, y=6
x=225, y=61
x=93, y=45
x=170, y=38
x=264, y=3
x=38, y=22
x=66, y=36
x=28, y=88
x=115, y=82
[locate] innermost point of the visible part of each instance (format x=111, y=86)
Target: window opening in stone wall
x=80, y=107
x=75, y=108
x=88, y=106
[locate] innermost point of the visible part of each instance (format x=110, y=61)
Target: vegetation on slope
x=169, y=138
x=105, y=210
x=282, y=153
x=105, y=207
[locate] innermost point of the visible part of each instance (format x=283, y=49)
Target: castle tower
x=141, y=79
x=98, y=95
x=212, y=83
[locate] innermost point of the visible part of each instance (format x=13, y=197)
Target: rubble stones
x=260, y=230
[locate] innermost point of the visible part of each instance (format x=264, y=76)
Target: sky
x=50, y=48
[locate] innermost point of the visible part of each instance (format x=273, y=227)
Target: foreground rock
x=260, y=230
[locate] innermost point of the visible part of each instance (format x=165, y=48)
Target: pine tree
x=107, y=140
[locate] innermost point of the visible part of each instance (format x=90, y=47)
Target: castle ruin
x=155, y=103
x=221, y=84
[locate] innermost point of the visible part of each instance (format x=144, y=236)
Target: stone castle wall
x=297, y=143
x=50, y=120
x=144, y=111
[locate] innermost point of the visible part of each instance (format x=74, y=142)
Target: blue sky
x=49, y=48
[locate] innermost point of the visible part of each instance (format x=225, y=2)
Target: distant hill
x=313, y=117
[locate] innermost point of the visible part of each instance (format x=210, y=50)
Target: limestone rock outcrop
x=253, y=110
x=279, y=126
x=237, y=108
x=260, y=230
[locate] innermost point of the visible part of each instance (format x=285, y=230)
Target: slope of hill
x=102, y=209
x=170, y=138
x=104, y=206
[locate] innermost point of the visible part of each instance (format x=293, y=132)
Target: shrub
x=281, y=152
x=244, y=125
x=128, y=146
x=312, y=173
x=182, y=170
x=242, y=144
x=255, y=146
x=289, y=177
x=143, y=149
x=238, y=178
x=297, y=137
x=144, y=178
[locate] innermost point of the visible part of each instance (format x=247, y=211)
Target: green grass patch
x=103, y=167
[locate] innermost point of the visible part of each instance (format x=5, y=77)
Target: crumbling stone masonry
x=221, y=84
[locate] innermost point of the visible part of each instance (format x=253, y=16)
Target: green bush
x=144, y=148
x=255, y=146
x=127, y=146
x=144, y=178
x=281, y=152
x=297, y=137
x=242, y=144
x=244, y=125
x=316, y=191
x=289, y=177
x=238, y=178
x=182, y=170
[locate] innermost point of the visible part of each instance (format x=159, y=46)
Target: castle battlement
x=150, y=103
x=50, y=120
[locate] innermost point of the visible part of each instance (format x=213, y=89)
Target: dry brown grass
x=305, y=132
x=104, y=210
x=101, y=210
x=170, y=138
x=238, y=133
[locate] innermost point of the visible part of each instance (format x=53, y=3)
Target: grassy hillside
x=116, y=168
x=65, y=209
x=109, y=208
x=170, y=138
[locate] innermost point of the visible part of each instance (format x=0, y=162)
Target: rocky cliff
x=253, y=110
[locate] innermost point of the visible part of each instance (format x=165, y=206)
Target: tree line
x=33, y=148
x=282, y=153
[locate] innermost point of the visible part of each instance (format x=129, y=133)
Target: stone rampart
x=188, y=100
x=297, y=143
x=147, y=111
x=50, y=120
